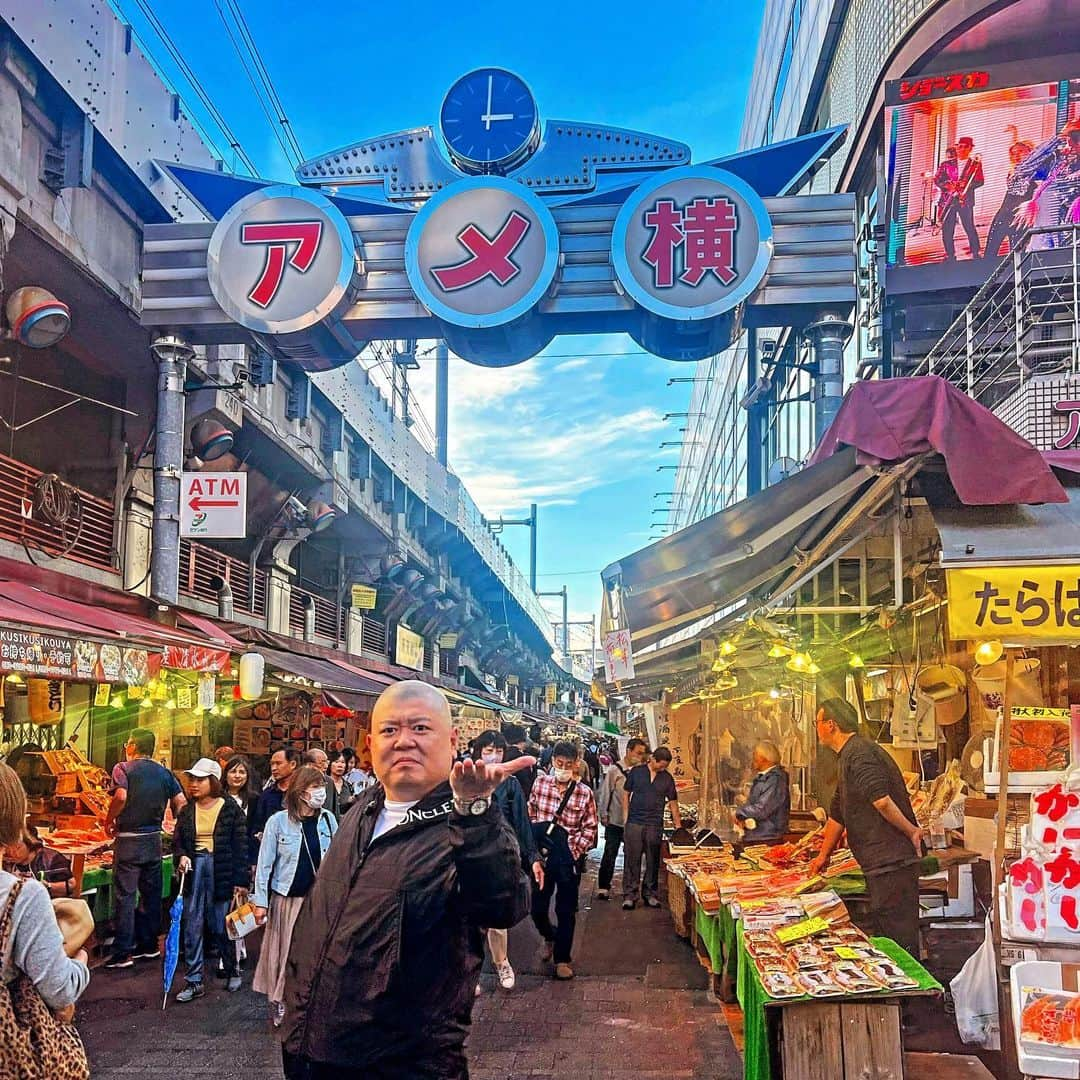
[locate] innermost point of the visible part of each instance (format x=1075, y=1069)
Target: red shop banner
x=196, y=658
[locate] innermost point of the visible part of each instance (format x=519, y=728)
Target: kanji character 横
x=1036, y=609
x=666, y=223
x=985, y=595
x=709, y=227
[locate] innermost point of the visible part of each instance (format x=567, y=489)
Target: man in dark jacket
x=284, y=761
x=765, y=813
x=387, y=948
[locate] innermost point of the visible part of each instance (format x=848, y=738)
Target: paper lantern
x=45, y=701
x=252, y=674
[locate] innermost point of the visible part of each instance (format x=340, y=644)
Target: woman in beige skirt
x=293, y=845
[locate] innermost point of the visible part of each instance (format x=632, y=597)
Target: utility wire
x=196, y=85
x=260, y=66
x=267, y=112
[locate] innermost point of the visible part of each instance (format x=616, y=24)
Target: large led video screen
x=970, y=168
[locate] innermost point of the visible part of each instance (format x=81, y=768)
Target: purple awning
x=889, y=420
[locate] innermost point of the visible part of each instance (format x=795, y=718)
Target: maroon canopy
x=889, y=420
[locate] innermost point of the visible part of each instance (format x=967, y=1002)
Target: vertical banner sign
x=207, y=691
x=101, y=695
x=183, y=697
x=551, y=693
x=45, y=699
x=618, y=656
x=410, y=649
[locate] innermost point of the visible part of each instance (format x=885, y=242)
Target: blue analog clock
x=490, y=121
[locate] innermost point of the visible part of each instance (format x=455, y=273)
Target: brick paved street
x=638, y=1009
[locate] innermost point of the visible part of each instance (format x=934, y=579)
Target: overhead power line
x=193, y=80
x=271, y=118
x=268, y=82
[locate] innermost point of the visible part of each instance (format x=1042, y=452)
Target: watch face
x=489, y=120
x=479, y=806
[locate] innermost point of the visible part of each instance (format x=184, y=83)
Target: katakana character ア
x=1055, y=802
x=709, y=227
x=666, y=223
x=985, y=595
x=1064, y=870
x=1037, y=608
x=1072, y=407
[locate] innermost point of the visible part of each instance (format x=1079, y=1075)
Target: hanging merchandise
x=912, y=723
x=45, y=698
x=945, y=687
x=990, y=679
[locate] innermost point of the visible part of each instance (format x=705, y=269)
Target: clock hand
x=487, y=115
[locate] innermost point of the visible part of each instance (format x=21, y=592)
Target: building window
x=791, y=35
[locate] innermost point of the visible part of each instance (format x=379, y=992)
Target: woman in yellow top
x=210, y=847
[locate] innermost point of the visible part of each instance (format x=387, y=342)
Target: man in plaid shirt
x=566, y=838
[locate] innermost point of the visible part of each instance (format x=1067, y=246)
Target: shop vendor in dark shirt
x=649, y=788
x=871, y=803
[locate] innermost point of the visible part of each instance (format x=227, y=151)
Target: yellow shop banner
x=1021, y=604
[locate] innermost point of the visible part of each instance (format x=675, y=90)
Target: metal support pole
x=898, y=549
x=172, y=355
x=442, y=403
x=829, y=336
x=754, y=416
x=532, y=547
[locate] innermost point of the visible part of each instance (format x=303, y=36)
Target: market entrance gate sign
x=500, y=233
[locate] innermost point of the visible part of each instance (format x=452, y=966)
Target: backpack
x=34, y=1044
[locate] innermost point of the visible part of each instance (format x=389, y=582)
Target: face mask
x=490, y=757
x=563, y=775
x=316, y=799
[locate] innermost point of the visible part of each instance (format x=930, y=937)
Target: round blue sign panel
x=489, y=120
x=692, y=243
x=482, y=252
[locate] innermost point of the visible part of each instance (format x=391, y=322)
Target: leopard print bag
x=34, y=1044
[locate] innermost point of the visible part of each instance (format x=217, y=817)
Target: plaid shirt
x=578, y=818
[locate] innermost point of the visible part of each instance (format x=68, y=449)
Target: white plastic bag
x=975, y=997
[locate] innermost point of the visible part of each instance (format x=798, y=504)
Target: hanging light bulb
x=813, y=669
x=774, y=694
x=778, y=651
x=856, y=661
x=145, y=703
x=720, y=664
x=727, y=648
x=118, y=701
x=800, y=662
x=14, y=678
x=988, y=652
x=170, y=704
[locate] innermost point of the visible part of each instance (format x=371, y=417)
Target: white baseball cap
x=205, y=767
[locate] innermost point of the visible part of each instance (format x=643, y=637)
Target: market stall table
x=837, y=1038
x=97, y=888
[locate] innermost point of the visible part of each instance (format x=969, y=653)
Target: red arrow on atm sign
x=198, y=504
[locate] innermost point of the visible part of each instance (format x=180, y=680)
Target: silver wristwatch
x=472, y=807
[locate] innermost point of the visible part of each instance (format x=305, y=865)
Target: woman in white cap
x=210, y=845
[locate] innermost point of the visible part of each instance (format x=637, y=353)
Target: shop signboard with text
x=975, y=157
x=213, y=505
x=499, y=231
x=32, y=652
x=409, y=649
x=1018, y=604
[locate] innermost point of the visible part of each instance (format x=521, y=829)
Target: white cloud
x=572, y=365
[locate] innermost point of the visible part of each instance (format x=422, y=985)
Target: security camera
x=760, y=388
x=767, y=348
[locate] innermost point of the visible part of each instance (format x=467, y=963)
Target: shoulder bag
x=34, y=1044
x=552, y=839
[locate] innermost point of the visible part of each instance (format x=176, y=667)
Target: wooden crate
x=680, y=904
x=842, y=1041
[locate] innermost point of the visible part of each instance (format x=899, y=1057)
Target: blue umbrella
x=172, y=940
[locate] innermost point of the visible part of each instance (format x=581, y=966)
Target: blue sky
x=573, y=430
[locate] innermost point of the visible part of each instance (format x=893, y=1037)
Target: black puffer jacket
x=387, y=948
x=231, y=868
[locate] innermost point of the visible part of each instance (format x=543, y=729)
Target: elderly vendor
x=765, y=813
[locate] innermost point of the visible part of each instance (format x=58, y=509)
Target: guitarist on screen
x=957, y=178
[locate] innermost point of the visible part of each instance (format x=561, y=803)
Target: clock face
x=489, y=120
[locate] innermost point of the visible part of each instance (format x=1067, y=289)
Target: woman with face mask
x=293, y=845
x=489, y=747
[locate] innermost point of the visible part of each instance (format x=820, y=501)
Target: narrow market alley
x=638, y=1008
